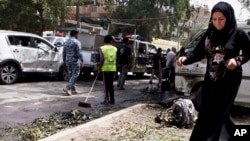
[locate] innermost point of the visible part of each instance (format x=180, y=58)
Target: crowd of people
x=113, y=60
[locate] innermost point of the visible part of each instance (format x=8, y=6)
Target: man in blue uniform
x=73, y=59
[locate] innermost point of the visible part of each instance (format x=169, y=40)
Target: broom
x=85, y=104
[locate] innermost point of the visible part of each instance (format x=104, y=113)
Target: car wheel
x=9, y=73
x=63, y=74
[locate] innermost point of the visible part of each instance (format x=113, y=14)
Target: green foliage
x=148, y=15
x=33, y=15
x=194, y=30
x=17, y=15
x=150, y=18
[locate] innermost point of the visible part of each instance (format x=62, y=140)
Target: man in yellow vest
x=108, y=68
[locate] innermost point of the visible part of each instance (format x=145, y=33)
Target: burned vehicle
x=142, y=54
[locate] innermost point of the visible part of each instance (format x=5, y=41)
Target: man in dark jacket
x=157, y=69
x=124, y=62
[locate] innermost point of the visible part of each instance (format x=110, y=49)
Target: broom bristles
x=84, y=104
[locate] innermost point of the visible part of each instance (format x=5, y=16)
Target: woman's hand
x=232, y=64
x=181, y=60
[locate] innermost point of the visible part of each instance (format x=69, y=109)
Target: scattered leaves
x=44, y=127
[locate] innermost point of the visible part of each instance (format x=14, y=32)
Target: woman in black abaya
x=221, y=44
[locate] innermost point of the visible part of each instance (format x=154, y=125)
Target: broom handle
x=93, y=84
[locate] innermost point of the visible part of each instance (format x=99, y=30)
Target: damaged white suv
x=25, y=53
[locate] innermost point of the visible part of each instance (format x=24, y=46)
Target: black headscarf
x=223, y=37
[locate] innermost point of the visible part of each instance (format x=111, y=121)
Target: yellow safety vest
x=109, y=54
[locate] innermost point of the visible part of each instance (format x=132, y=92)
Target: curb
x=66, y=134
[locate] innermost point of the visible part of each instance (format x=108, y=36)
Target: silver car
x=24, y=53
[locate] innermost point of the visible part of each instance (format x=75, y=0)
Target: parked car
x=56, y=40
x=90, y=56
x=25, y=53
x=90, y=44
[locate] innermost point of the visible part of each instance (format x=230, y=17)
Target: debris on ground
x=47, y=126
x=181, y=114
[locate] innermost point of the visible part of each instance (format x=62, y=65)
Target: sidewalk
x=130, y=99
x=81, y=131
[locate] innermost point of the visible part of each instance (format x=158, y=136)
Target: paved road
x=29, y=99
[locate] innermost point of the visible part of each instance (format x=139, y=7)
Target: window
x=190, y=47
x=59, y=41
x=51, y=39
x=19, y=41
x=94, y=9
x=42, y=44
x=196, y=40
x=142, y=48
x=152, y=48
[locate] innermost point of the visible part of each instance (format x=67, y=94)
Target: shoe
x=67, y=91
x=74, y=92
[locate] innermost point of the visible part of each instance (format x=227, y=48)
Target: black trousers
x=108, y=80
x=170, y=74
x=170, y=77
x=214, y=121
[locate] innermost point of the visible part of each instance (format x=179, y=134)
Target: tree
x=193, y=30
x=33, y=15
x=246, y=3
x=19, y=14
x=158, y=18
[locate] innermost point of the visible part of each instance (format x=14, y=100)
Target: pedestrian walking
x=124, y=62
x=108, y=67
x=226, y=48
x=73, y=60
x=157, y=69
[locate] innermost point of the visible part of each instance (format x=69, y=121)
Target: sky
x=240, y=13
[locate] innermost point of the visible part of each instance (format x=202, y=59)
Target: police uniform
x=72, y=55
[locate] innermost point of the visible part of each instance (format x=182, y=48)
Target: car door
x=48, y=56
x=23, y=52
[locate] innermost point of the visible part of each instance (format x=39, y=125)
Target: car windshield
x=51, y=39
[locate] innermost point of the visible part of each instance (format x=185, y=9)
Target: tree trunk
x=77, y=15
